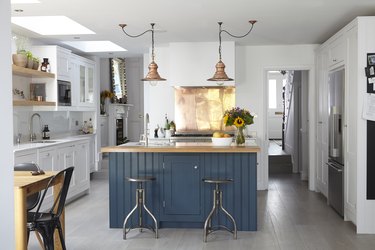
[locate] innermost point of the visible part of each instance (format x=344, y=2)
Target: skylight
x=51, y=25
x=95, y=46
x=24, y=1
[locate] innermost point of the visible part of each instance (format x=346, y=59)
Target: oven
x=64, y=93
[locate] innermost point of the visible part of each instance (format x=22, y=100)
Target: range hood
x=191, y=64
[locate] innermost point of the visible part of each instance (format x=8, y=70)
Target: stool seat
x=217, y=181
x=141, y=178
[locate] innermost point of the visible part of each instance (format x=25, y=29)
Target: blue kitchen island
x=178, y=197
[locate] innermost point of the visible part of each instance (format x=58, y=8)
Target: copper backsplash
x=200, y=109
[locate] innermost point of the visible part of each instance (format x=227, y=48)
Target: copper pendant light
x=220, y=76
x=152, y=76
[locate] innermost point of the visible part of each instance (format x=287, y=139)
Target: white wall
x=105, y=76
x=304, y=129
x=6, y=142
x=291, y=117
x=275, y=121
x=159, y=100
x=252, y=64
x=134, y=74
x=60, y=123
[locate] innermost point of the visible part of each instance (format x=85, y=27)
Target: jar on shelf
x=45, y=67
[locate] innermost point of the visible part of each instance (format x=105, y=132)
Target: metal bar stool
x=140, y=204
x=217, y=206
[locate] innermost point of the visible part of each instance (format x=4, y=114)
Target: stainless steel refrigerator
x=336, y=83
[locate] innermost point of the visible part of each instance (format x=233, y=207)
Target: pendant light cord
x=135, y=36
x=252, y=22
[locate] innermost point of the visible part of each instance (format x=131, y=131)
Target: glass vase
x=240, y=137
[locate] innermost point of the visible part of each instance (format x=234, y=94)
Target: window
x=272, y=98
x=201, y=109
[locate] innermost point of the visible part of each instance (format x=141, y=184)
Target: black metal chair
x=46, y=223
x=33, y=199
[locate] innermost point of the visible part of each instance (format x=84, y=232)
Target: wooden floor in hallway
x=289, y=217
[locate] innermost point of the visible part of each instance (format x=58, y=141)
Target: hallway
x=289, y=217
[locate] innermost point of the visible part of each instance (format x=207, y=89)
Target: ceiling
x=280, y=22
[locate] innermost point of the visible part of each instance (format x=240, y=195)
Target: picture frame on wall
x=371, y=59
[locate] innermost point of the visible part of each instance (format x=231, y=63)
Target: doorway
x=287, y=122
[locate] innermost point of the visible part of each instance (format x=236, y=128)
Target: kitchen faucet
x=146, y=130
x=31, y=128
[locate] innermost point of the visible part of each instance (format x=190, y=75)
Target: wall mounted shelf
x=21, y=71
x=32, y=103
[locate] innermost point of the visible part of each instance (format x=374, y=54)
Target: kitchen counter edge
x=182, y=149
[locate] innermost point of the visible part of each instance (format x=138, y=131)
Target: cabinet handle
x=47, y=154
x=334, y=60
x=320, y=122
x=195, y=167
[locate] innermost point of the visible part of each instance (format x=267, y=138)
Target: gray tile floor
x=289, y=217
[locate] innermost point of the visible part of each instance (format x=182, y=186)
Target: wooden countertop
x=181, y=147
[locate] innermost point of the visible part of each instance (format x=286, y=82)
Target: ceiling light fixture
x=220, y=76
x=152, y=76
x=94, y=46
x=51, y=25
x=24, y=1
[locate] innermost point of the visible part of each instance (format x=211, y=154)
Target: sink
x=44, y=141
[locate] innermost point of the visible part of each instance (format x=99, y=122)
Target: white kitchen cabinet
x=25, y=156
x=66, y=159
x=76, y=154
x=91, y=154
x=322, y=121
x=47, y=160
x=350, y=126
x=337, y=52
x=58, y=59
x=104, y=131
x=63, y=64
x=81, y=163
x=83, y=82
x=347, y=49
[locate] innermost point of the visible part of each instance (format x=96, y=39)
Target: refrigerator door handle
x=334, y=167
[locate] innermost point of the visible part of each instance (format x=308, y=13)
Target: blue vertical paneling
x=239, y=197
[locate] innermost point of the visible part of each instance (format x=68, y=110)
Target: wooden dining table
x=26, y=184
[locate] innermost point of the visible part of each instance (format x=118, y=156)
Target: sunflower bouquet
x=239, y=118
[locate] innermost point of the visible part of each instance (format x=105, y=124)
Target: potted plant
x=36, y=63
x=20, y=58
x=30, y=62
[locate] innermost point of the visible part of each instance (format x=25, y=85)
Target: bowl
x=222, y=141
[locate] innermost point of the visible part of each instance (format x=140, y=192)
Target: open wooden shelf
x=32, y=103
x=21, y=71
